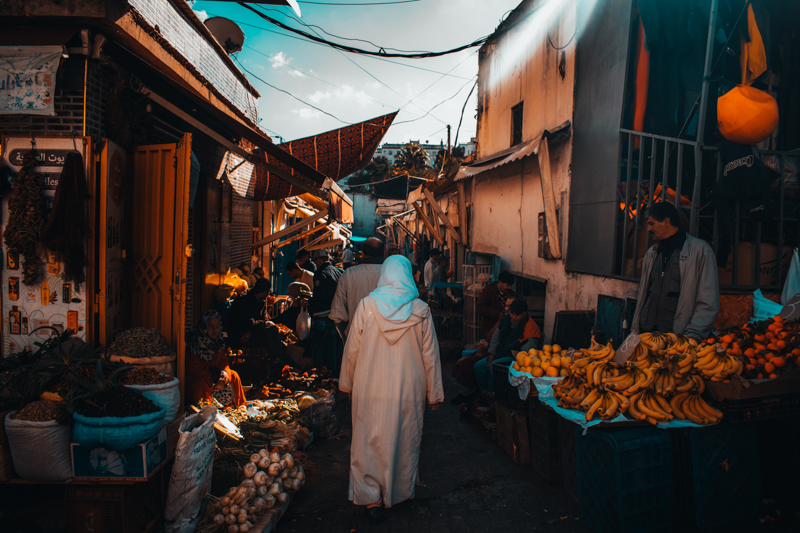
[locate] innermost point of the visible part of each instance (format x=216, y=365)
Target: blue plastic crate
x=625, y=480
x=718, y=475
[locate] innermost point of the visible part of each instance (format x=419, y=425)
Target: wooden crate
x=512, y=434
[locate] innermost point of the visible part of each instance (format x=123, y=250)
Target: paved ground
x=471, y=486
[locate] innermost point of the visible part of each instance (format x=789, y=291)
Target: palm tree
x=376, y=170
x=412, y=159
x=455, y=159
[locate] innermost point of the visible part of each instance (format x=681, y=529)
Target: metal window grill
x=655, y=168
x=475, y=278
x=447, y=302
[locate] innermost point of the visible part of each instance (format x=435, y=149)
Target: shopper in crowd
x=391, y=367
x=678, y=290
x=347, y=256
x=516, y=331
x=300, y=295
x=356, y=283
x=430, y=265
x=223, y=297
x=258, y=272
x=303, y=258
x=440, y=272
x=490, y=304
x=300, y=274
x=208, y=372
x=246, y=274
x=327, y=343
x=249, y=326
x=464, y=372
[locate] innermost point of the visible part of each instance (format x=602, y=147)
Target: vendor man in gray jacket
x=679, y=290
x=356, y=283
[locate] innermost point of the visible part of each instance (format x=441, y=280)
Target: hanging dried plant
x=25, y=220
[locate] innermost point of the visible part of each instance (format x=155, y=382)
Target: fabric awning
x=335, y=154
x=515, y=153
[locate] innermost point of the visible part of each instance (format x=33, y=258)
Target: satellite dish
x=227, y=33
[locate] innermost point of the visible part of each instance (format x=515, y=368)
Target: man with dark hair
x=440, y=272
x=678, y=290
x=347, y=256
x=300, y=274
x=491, y=301
x=303, y=258
x=258, y=272
x=328, y=345
x=517, y=331
x=356, y=283
x=430, y=265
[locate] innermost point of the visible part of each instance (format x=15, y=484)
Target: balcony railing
x=655, y=168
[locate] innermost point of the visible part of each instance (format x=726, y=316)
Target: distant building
x=391, y=150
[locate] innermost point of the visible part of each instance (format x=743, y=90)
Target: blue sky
x=356, y=87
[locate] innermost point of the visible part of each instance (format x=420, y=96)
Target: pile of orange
x=768, y=348
x=550, y=361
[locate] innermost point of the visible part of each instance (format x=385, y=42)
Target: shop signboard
x=52, y=301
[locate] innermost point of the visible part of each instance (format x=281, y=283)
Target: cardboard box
x=512, y=434
x=745, y=389
x=137, y=463
x=768, y=266
x=6, y=465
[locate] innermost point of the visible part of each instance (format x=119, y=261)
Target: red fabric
x=198, y=378
x=531, y=331
x=336, y=154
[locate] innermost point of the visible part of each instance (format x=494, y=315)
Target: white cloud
x=202, y=15
x=296, y=73
x=279, y=60
x=319, y=96
x=349, y=93
x=306, y=113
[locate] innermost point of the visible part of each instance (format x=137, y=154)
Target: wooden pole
x=428, y=225
x=291, y=229
x=438, y=211
x=549, y=198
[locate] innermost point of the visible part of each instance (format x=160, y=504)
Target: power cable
x=380, y=53
x=437, y=105
x=438, y=80
x=319, y=44
x=455, y=142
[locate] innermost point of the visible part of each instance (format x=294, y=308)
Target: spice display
x=144, y=376
x=139, y=343
x=767, y=348
x=42, y=411
x=65, y=231
x=117, y=401
x=25, y=219
x=662, y=379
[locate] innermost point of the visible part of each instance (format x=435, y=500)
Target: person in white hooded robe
x=390, y=367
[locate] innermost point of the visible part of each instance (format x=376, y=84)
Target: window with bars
x=516, y=124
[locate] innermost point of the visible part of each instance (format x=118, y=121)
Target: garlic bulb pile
x=268, y=481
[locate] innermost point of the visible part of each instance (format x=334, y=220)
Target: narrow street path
x=471, y=486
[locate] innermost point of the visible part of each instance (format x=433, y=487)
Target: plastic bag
x=40, y=450
x=303, y=327
x=164, y=395
x=117, y=433
x=323, y=421
x=764, y=308
x=792, y=284
x=191, y=474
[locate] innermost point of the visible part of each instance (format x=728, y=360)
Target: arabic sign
x=28, y=79
x=791, y=311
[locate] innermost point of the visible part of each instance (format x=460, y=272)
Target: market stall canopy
x=515, y=153
x=335, y=154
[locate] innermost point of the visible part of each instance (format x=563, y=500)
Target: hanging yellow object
x=754, y=56
x=746, y=115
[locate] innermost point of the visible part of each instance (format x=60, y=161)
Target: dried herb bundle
x=25, y=219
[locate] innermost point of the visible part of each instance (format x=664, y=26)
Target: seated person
x=223, y=296
x=516, y=331
x=491, y=301
x=248, y=325
x=208, y=372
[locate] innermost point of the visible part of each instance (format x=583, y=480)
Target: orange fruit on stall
x=769, y=367
x=779, y=362
x=552, y=372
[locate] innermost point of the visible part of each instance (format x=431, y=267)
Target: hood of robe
x=393, y=331
x=396, y=304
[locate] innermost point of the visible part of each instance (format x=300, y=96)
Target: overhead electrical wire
x=438, y=80
x=380, y=53
x=320, y=44
x=437, y=105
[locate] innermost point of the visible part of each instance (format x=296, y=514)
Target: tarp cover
x=336, y=154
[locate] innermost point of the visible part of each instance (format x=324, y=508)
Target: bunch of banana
x=564, y=386
x=690, y=406
x=664, y=383
x=573, y=398
x=684, y=362
x=601, y=353
x=631, y=381
x=655, y=340
x=717, y=365
x=580, y=363
x=679, y=343
x=606, y=404
x=647, y=405
x=688, y=383
x=644, y=356
x=597, y=371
